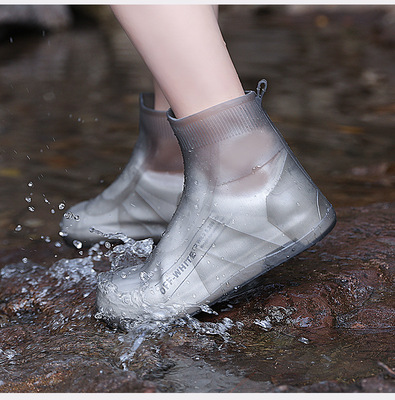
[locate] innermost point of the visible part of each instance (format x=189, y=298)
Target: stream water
x=322, y=322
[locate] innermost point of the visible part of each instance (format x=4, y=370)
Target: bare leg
x=194, y=71
x=161, y=103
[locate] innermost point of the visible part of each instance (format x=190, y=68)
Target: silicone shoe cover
x=247, y=206
x=142, y=200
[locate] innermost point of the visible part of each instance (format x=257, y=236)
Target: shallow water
x=326, y=316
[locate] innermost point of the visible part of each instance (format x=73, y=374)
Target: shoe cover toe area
x=118, y=295
x=125, y=295
x=75, y=226
x=78, y=223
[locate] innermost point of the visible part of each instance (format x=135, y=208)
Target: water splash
x=154, y=333
x=70, y=272
x=129, y=252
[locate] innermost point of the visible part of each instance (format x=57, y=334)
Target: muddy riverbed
x=323, y=322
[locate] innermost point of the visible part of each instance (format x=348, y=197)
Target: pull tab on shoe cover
x=247, y=206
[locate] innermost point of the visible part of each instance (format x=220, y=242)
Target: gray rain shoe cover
x=247, y=206
x=142, y=200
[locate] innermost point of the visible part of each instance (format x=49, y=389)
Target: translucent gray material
x=247, y=206
x=142, y=200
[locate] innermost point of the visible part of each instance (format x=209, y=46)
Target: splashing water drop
x=304, y=340
x=68, y=215
x=77, y=244
x=143, y=276
x=205, y=308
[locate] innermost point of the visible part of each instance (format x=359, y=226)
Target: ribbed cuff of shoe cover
x=222, y=121
x=151, y=120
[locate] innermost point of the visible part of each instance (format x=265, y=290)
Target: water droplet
x=63, y=234
x=18, y=228
x=24, y=260
x=123, y=275
x=62, y=206
x=77, y=244
x=31, y=208
x=143, y=276
x=298, y=204
x=28, y=199
x=304, y=340
x=58, y=244
x=53, y=211
x=30, y=184
x=196, y=182
x=77, y=217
